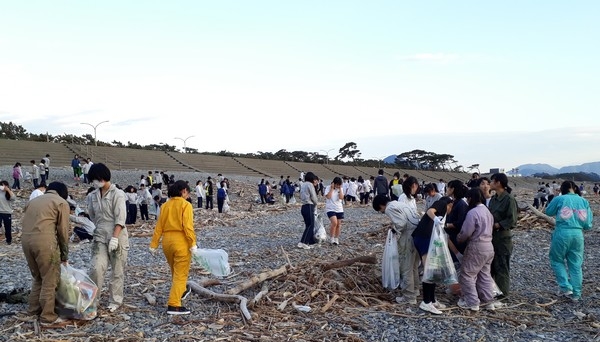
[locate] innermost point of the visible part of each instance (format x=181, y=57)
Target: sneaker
x=405, y=300
x=575, y=298
x=439, y=305
x=187, y=292
x=462, y=304
x=429, y=307
x=493, y=305
x=56, y=322
x=336, y=241
x=303, y=245
x=177, y=310
x=567, y=293
x=113, y=307
x=332, y=240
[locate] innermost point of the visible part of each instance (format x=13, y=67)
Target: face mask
x=98, y=184
x=1, y=187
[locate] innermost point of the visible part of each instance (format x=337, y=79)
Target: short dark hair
x=380, y=172
x=99, y=172
x=337, y=180
x=60, y=188
x=475, y=197
x=459, y=188
x=380, y=200
x=310, y=177
x=176, y=188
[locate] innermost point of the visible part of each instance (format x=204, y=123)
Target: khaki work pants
x=409, y=265
x=101, y=257
x=43, y=258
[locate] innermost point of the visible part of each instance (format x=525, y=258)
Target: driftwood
x=365, y=259
x=257, y=280
x=197, y=288
x=541, y=215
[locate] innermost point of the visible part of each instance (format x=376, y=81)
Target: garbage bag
x=320, y=234
x=439, y=267
x=215, y=261
x=390, y=263
x=76, y=290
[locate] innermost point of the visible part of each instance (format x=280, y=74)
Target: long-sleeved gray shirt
x=5, y=206
x=106, y=212
x=308, y=194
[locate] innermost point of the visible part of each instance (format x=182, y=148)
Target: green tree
x=348, y=151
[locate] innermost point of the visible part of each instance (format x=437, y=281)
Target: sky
x=497, y=84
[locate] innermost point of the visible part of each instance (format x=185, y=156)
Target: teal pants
x=566, y=258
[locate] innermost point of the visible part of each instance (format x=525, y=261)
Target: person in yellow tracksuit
x=176, y=228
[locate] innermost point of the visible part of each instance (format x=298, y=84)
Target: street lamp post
x=184, y=142
x=327, y=153
x=94, y=127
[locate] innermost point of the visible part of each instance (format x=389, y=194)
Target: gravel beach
x=347, y=304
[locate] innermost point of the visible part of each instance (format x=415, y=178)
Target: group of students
x=479, y=229
x=205, y=193
x=44, y=239
x=39, y=173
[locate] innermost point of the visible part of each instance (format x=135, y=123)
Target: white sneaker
x=336, y=241
x=493, y=305
x=463, y=304
x=439, y=305
x=405, y=300
x=429, y=307
x=113, y=307
x=303, y=245
x=332, y=240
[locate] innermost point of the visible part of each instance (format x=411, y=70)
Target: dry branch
x=257, y=280
x=365, y=259
x=222, y=297
x=541, y=215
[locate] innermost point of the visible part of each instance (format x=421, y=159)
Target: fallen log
x=257, y=279
x=222, y=297
x=541, y=215
x=365, y=259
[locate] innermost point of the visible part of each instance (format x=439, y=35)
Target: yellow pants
x=175, y=247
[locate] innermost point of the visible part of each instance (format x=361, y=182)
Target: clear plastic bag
x=76, y=290
x=439, y=267
x=320, y=234
x=216, y=261
x=390, y=263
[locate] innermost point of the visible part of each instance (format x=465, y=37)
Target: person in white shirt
x=200, y=192
x=441, y=187
x=345, y=184
x=39, y=191
x=352, y=190
x=334, y=208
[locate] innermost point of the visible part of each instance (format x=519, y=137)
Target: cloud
x=439, y=57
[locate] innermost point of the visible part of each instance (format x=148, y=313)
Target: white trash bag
x=76, y=290
x=390, y=263
x=320, y=234
x=216, y=261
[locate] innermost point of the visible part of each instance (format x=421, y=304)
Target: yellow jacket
x=176, y=215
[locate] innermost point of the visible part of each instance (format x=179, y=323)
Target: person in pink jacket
x=475, y=279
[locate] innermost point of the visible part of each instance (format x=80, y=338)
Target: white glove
x=437, y=220
x=193, y=249
x=152, y=250
x=459, y=256
x=113, y=244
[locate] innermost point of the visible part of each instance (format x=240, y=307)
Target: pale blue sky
x=497, y=84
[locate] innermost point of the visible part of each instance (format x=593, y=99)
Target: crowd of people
x=478, y=218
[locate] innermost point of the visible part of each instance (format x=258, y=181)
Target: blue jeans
x=308, y=213
x=17, y=184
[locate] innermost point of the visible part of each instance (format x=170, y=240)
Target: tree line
x=347, y=154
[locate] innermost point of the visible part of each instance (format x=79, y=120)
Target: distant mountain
x=530, y=169
x=587, y=167
x=390, y=159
